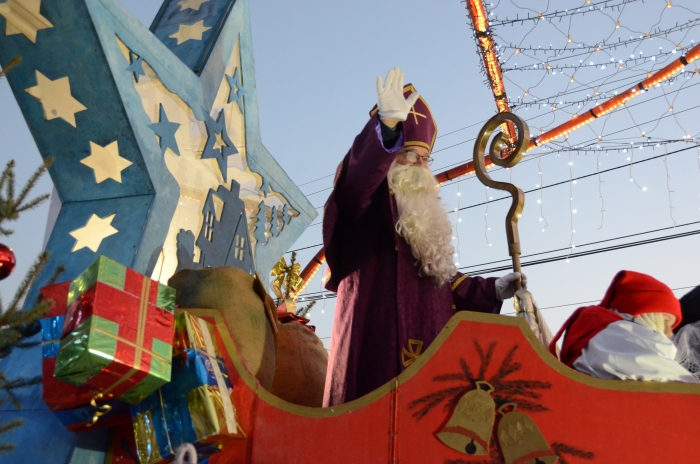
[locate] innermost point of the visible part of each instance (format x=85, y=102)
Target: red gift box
x=65, y=398
x=118, y=332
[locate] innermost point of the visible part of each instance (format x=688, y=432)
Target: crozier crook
x=515, y=154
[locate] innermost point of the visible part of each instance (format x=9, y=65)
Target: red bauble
x=7, y=261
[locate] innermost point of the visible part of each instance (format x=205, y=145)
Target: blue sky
x=316, y=62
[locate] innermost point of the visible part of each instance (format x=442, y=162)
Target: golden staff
x=515, y=154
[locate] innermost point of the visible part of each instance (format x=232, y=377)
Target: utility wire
x=566, y=256
x=626, y=165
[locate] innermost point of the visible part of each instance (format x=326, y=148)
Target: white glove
x=505, y=286
x=390, y=100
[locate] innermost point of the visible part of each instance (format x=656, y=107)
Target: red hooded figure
x=627, y=336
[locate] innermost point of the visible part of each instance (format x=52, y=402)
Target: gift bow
x=289, y=276
x=99, y=410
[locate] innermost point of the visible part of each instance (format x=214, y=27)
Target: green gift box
x=118, y=333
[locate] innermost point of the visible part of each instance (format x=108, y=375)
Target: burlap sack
x=301, y=365
x=231, y=291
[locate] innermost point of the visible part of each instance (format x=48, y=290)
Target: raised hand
x=390, y=100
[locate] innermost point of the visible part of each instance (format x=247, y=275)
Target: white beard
x=423, y=221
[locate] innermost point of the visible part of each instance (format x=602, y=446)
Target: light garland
x=491, y=63
x=550, y=68
x=600, y=191
x=561, y=14
x=619, y=100
x=604, y=46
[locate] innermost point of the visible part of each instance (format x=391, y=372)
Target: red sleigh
x=541, y=411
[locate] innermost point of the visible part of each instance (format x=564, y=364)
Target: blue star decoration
x=93, y=51
x=219, y=146
x=237, y=89
x=136, y=66
x=165, y=130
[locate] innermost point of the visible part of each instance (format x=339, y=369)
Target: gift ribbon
x=140, y=334
x=139, y=350
x=165, y=426
x=100, y=410
x=229, y=412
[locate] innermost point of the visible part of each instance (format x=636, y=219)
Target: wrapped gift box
x=118, y=332
x=72, y=404
x=195, y=407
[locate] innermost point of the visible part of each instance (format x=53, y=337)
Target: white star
x=56, y=98
x=106, y=162
x=191, y=32
x=92, y=234
x=191, y=4
x=23, y=17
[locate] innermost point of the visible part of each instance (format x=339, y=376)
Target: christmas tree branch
x=31, y=182
x=34, y=271
x=10, y=207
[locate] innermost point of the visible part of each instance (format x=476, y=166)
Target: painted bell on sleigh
x=469, y=428
x=521, y=441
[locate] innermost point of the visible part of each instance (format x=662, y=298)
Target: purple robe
x=386, y=314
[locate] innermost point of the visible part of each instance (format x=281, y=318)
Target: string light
x=600, y=191
x=486, y=218
x=571, y=207
x=458, y=248
x=539, y=169
x=560, y=14
x=631, y=161
x=668, y=189
x=622, y=63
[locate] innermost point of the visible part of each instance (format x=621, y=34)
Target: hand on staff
x=392, y=105
x=505, y=286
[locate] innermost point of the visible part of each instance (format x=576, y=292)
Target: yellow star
x=191, y=32
x=191, y=4
x=106, y=162
x=219, y=142
x=92, y=234
x=56, y=98
x=23, y=17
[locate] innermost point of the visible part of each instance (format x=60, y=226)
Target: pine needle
x=10, y=207
x=26, y=283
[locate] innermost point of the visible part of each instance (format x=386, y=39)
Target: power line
x=561, y=305
x=445, y=148
x=568, y=256
x=627, y=165
x=584, y=302
x=323, y=295
x=589, y=244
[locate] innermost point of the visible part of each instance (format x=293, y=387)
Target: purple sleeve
x=475, y=294
x=364, y=168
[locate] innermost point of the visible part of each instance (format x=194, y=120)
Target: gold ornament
x=521, y=441
x=287, y=277
x=469, y=428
